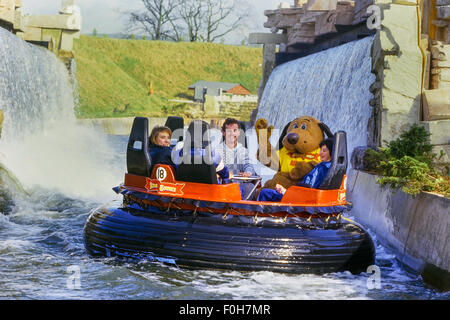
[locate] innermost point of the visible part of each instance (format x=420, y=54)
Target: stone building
x=213, y=88
x=224, y=99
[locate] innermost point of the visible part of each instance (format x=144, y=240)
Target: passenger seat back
x=138, y=158
x=193, y=168
x=174, y=123
x=339, y=163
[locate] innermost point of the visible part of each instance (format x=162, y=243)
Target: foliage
x=413, y=143
x=407, y=163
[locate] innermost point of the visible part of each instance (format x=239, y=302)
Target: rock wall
x=411, y=71
x=122, y=126
x=2, y=117
x=10, y=15
x=440, y=65
x=306, y=21
x=397, y=63
x=56, y=32
x=441, y=20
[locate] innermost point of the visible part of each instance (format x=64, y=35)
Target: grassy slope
x=113, y=73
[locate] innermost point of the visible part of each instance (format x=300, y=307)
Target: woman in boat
x=312, y=180
x=160, y=149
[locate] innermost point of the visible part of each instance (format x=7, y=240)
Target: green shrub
x=413, y=143
x=407, y=163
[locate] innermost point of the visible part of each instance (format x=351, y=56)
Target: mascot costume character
x=298, y=153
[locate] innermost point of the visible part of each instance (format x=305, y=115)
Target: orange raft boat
x=207, y=225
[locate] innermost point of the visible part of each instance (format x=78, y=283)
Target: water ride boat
x=183, y=216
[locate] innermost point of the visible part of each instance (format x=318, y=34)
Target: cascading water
x=332, y=86
x=41, y=142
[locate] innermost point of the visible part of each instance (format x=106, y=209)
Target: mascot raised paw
x=298, y=153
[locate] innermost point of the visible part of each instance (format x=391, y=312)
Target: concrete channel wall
x=415, y=229
x=122, y=126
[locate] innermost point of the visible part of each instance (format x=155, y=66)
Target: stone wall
x=234, y=106
x=411, y=70
x=440, y=65
x=2, y=117
x=54, y=31
x=122, y=126
x=117, y=126
x=442, y=20
x=415, y=229
x=10, y=15
x=306, y=21
x=397, y=62
x=436, y=101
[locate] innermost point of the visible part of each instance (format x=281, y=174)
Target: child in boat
x=160, y=149
x=312, y=180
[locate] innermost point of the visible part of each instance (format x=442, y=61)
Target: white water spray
x=41, y=141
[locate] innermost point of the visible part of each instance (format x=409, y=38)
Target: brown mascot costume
x=299, y=152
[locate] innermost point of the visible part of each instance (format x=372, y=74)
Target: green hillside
x=114, y=74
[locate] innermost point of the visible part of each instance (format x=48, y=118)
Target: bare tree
x=222, y=17
x=191, y=13
x=198, y=20
x=157, y=20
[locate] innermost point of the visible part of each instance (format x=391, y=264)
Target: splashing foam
x=42, y=143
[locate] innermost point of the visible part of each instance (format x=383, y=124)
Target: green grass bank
x=114, y=74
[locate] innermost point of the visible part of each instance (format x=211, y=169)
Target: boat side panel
x=214, y=242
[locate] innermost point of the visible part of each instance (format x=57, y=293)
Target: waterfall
x=332, y=86
x=41, y=142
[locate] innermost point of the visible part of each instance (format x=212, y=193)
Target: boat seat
x=244, y=130
x=175, y=123
x=283, y=134
x=138, y=157
x=339, y=161
x=194, y=167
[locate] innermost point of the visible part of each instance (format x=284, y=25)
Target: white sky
x=103, y=14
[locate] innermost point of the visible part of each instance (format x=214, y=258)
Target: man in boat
x=311, y=180
x=235, y=155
